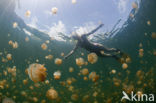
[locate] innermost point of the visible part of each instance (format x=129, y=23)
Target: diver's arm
x=93, y=31
x=69, y=54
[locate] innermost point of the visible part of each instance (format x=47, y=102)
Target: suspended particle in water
x=44, y=46
x=79, y=61
x=7, y=100
x=92, y=58
x=58, y=61
x=154, y=52
x=153, y=35
x=85, y=71
x=37, y=72
x=15, y=24
x=27, y=13
x=9, y=56
x=85, y=98
x=82, y=54
x=74, y=1
x=74, y=97
x=57, y=75
x=52, y=94
x=124, y=66
x=95, y=94
x=54, y=10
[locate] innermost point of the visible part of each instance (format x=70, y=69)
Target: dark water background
x=127, y=39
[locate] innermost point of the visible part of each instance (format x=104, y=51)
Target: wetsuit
x=97, y=48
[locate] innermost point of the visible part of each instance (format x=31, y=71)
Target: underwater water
x=33, y=68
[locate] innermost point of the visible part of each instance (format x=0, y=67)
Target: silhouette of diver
x=97, y=48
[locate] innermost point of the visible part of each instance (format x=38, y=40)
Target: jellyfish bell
x=58, y=61
x=28, y=13
x=85, y=71
x=80, y=61
x=92, y=58
x=9, y=56
x=7, y=100
x=37, y=72
x=54, y=10
x=124, y=66
x=57, y=75
x=52, y=94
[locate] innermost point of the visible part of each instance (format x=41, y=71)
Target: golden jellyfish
x=62, y=54
x=25, y=81
x=57, y=75
x=74, y=1
x=47, y=82
x=58, y=61
x=7, y=100
x=153, y=35
x=113, y=71
x=85, y=71
x=44, y=46
x=15, y=45
x=148, y=23
x=92, y=58
x=47, y=41
x=35, y=99
x=135, y=5
x=10, y=42
x=141, y=52
x=37, y=72
x=93, y=76
x=49, y=57
x=71, y=69
x=52, y=94
x=26, y=39
x=54, y=10
x=9, y=56
x=154, y=52
x=124, y=66
x=15, y=25
x=28, y=13
x=85, y=78
x=80, y=61
x=74, y=97
x=128, y=60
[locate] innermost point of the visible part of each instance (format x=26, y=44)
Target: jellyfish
x=44, y=46
x=49, y=57
x=15, y=24
x=85, y=71
x=93, y=76
x=15, y=45
x=57, y=75
x=7, y=100
x=26, y=39
x=71, y=69
x=74, y=97
x=28, y=13
x=58, y=61
x=9, y=56
x=37, y=72
x=92, y=58
x=80, y=61
x=124, y=66
x=153, y=35
x=54, y=10
x=52, y=94
x=74, y=1
x=113, y=71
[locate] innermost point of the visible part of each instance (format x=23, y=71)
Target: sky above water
x=84, y=15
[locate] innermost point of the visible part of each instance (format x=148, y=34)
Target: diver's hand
x=101, y=25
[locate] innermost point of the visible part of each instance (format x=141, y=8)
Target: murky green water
x=74, y=87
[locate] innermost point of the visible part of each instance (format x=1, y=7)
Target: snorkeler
x=99, y=49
